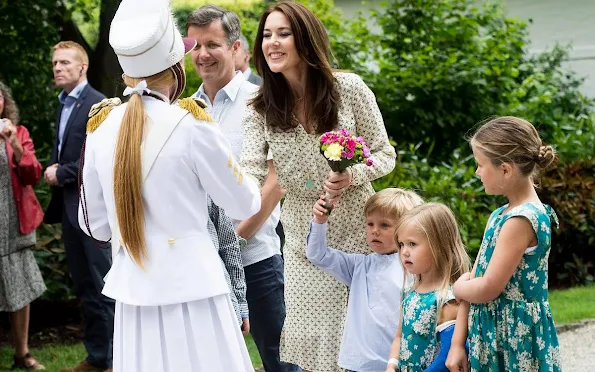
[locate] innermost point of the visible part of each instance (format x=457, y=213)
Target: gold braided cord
x=100, y=111
x=196, y=108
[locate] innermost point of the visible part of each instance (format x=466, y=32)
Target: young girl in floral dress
x=509, y=318
x=431, y=249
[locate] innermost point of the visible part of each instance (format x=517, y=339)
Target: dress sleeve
x=28, y=168
x=255, y=149
x=220, y=174
x=91, y=195
x=370, y=125
x=540, y=220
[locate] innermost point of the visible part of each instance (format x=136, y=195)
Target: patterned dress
x=316, y=302
x=516, y=331
x=20, y=278
x=419, y=340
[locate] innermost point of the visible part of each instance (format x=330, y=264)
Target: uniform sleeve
x=91, y=197
x=339, y=264
x=370, y=125
x=255, y=150
x=220, y=174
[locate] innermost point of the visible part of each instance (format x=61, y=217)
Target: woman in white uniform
x=148, y=167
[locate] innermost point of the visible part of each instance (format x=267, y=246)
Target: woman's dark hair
x=275, y=100
x=11, y=112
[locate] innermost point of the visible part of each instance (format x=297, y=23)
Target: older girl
x=511, y=327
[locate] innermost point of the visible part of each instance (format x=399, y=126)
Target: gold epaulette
x=196, y=107
x=100, y=111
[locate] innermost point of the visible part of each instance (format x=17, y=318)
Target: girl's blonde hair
x=439, y=226
x=392, y=202
x=127, y=168
x=508, y=139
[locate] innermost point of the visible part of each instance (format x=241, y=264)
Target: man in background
x=242, y=62
x=87, y=261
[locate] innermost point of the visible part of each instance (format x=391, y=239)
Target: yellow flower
x=333, y=152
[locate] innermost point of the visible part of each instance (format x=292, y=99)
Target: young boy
x=376, y=280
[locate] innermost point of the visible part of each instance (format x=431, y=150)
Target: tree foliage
x=438, y=67
x=28, y=30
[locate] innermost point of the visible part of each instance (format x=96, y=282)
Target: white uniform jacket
x=194, y=160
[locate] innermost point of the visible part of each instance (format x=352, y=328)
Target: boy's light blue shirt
x=374, y=306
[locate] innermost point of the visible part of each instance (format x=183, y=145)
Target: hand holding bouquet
x=343, y=150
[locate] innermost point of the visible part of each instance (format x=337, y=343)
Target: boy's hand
x=319, y=211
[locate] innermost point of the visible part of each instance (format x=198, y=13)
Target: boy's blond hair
x=392, y=202
x=81, y=54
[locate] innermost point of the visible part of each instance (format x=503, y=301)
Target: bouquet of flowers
x=343, y=150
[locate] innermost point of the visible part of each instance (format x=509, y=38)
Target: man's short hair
x=245, y=43
x=207, y=14
x=81, y=54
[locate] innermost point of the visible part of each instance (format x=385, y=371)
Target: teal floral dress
x=419, y=340
x=516, y=331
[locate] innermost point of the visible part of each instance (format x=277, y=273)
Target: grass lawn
x=54, y=357
x=572, y=305
x=568, y=306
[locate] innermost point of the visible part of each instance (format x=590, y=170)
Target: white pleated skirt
x=197, y=336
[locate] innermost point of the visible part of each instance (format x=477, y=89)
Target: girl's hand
x=336, y=183
x=319, y=211
x=457, y=359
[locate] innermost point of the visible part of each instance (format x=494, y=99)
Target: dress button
x=171, y=241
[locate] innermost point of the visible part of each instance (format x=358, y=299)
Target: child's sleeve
x=338, y=264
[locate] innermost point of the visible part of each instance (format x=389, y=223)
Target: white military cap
x=145, y=38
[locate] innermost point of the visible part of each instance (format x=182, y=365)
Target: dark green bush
x=570, y=190
x=29, y=29
x=440, y=66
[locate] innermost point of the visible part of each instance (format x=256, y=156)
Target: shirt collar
x=247, y=73
x=231, y=89
x=75, y=93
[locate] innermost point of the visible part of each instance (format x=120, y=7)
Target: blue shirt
x=68, y=102
x=227, y=110
x=374, y=306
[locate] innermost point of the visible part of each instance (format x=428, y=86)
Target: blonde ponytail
x=128, y=167
x=128, y=180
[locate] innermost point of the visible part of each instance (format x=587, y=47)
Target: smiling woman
x=301, y=98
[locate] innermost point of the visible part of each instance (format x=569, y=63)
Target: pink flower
x=350, y=144
x=369, y=162
x=366, y=151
